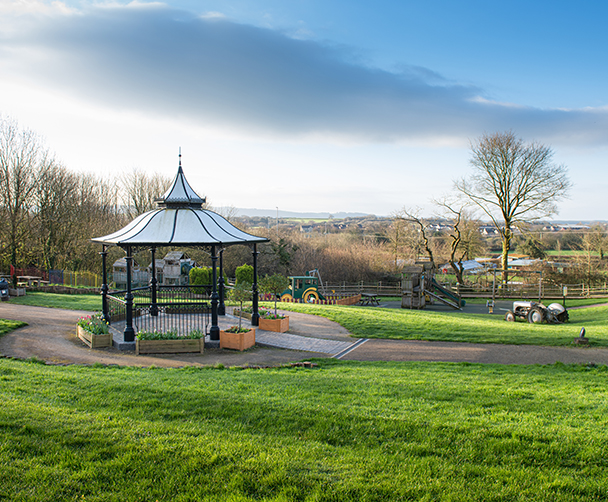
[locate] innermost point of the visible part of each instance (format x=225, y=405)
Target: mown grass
x=580, y=302
x=345, y=431
x=90, y=303
x=373, y=322
x=570, y=302
x=7, y=326
x=570, y=252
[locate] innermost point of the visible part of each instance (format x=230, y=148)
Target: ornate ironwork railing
x=181, y=309
x=116, y=309
x=184, y=294
x=181, y=318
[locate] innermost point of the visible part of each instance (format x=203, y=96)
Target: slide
x=440, y=289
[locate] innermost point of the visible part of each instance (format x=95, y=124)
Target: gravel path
x=51, y=336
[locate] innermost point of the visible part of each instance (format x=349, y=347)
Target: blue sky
x=310, y=105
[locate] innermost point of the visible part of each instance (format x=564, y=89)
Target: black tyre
x=536, y=316
x=563, y=317
x=510, y=316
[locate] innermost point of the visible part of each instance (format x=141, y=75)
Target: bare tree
x=456, y=214
x=395, y=234
x=56, y=213
x=513, y=182
x=140, y=190
x=23, y=160
x=597, y=239
x=421, y=224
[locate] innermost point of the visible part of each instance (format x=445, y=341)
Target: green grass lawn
x=90, y=303
x=372, y=322
x=345, y=431
x=570, y=302
x=569, y=252
x=7, y=326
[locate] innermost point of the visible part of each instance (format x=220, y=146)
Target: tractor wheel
x=510, y=316
x=536, y=316
x=286, y=297
x=310, y=296
x=563, y=317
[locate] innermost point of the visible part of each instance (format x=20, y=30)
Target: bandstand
x=178, y=221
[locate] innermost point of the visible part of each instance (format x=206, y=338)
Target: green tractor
x=304, y=287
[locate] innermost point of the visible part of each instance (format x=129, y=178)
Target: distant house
x=488, y=230
x=176, y=268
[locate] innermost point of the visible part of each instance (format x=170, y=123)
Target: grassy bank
x=368, y=322
x=344, y=431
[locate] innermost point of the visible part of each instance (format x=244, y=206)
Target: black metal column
x=214, y=332
x=222, y=308
x=153, y=285
x=129, y=334
x=255, y=317
x=104, y=286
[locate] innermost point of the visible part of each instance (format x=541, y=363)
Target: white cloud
x=21, y=7
x=208, y=70
x=212, y=15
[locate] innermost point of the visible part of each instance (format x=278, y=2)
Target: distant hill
x=272, y=213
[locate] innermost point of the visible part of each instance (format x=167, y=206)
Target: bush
x=244, y=273
x=200, y=276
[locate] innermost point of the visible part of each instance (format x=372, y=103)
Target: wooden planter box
x=278, y=325
x=94, y=341
x=244, y=315
x=16, y=291
x=169, y=346
x=237, y=341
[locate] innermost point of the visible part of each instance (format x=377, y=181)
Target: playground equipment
x=305, y=287
x=420, y=288
x=536, y=313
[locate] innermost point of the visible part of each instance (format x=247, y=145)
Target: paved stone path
x=307, y=333
x=297, y=342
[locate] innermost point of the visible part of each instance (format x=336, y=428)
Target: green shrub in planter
x=274, y=285
x=169, y=335
x=241, y=293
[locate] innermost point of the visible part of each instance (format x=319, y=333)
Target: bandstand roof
x=179, y=220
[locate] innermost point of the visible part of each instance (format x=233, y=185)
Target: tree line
x=50, y=213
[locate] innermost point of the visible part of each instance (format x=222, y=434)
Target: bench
x=369, y=299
